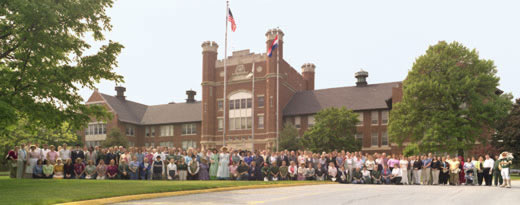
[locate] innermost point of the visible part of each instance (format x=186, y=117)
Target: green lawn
x=515, y=177
x=41, y=191
x=4, y=173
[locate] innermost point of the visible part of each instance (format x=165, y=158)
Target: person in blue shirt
x=144, y=169
x=38, y=170
x=426, y=169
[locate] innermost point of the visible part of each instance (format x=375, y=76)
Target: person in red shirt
x=12, y=160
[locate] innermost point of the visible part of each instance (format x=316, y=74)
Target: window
x=375, y=139
x=152, y=131
x=220, y=124
x=360, y=118
x=220, y=105
x=243, y=103
x=239, y=123
x=384, y=117
x=166, y=130
x=130, y=130
x=231, y=104
x=189, y=129
x=261, y=121
x=375, y=117
x=310, y=120
x=384, y=138
x=237, y=104
x=166, y=144
x=249, y=102
x=261, y=101
x=147, y=131
x=189, y=144
x=297, y=122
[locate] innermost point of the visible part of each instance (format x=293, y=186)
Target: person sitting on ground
x=123, y=169
x=254, y=172
x=469, y=177
x=274, y=172
x=310, y=172
x=366, y=176
x=90, y=170
x=79, y=169
x=301, y=172
x=265, y=172
x=342, y=175
x=101, y=170
x=58, y=169
x=38, y=170
x=320, y=174
x=376, y=177
x=386, y=173
x=357, y=176
x=112, y=170
x=396, y=176
x=48, y=169
x=243, y=171
x=284, y=171
x=293, y=171
x=332, y=172
x=68, y=169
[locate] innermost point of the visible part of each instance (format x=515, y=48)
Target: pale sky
x=162, y=38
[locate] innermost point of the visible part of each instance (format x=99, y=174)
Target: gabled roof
x=127, y=111
x=137, y=113
x=369, y=97
x=173, y=113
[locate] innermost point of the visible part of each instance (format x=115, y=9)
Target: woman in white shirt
x=396, y=176
x=370, y=164
x=332, y=171
x=172, y=169
x=293, y=171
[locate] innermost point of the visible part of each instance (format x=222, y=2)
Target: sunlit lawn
x=48, y=191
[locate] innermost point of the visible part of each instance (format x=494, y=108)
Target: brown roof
x=137, y=113
x=368, y=97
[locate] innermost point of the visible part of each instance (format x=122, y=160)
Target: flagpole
x=277, y=92
x=253, y=109
x=225, y=77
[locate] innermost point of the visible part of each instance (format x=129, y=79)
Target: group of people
x=163, y=163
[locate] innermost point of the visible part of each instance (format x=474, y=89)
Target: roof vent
x=191, y=96
x=361, y=78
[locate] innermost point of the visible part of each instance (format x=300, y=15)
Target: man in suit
x=282, y=157
x=77, y=153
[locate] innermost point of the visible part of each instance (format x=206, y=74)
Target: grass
x=42, y=191
x=4, y=173
x=515, y=177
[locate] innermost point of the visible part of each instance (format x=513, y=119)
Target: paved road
x=330, y=194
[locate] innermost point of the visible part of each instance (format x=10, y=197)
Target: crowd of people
x=164, y=163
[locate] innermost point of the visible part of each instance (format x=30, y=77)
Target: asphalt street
x=329, y=194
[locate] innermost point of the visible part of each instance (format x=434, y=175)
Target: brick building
x=201, y=124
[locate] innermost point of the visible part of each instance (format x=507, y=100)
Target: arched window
x=240, y=111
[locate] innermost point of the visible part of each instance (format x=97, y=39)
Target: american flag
x=232, y=21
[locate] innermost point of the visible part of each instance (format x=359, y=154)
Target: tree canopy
x=507, y=137
x=115, y=138
x=334, y=129
x=450, y=100
x=43, y=62
x=289, y=138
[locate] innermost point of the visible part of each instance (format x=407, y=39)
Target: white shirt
x=397, y=172
x=488, y=163
x=172, y=167
x=44, y=153
x=64, y=154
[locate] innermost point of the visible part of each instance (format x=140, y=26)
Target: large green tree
x=507, y=137
x=115, y=138
x=43, y=62
x=289, y=138
x=450, y=100
x=334, y=129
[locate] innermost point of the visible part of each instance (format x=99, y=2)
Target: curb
x=119, y=199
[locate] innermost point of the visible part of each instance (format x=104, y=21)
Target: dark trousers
x=443, y=177
x=396, y=180
x=480, y=177
x=497, y=177
x=487, y=176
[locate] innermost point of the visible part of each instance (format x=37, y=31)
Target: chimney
x=191, y=96
x=308, y=75
x=120, y=92
x=361, y=78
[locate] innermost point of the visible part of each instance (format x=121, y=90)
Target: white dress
x=223, y=168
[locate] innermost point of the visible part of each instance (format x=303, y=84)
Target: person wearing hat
x=223, y=167
x=506, y=159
